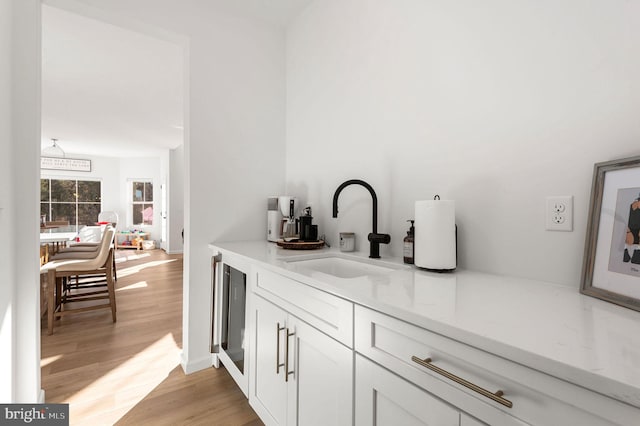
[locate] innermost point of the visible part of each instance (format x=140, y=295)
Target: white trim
x=190, y=367
x=124, y=21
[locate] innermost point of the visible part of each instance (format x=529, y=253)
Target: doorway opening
x=114, y=97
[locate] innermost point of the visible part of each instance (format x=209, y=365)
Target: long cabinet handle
x=497, y=396
x=278, y=364
x=286, y=359
x=214, y=346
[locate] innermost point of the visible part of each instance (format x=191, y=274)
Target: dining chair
x=60, y=298
x=85, y=251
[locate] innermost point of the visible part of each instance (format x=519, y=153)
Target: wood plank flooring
x=128, y=372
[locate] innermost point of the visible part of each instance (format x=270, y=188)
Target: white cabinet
x=326, y=312
x=303, y=376
x=490, y=389
x=470, y=421
x=322, y=389
x=382, y=399
x=300, y=375
x=321, y=355
x=268, y=388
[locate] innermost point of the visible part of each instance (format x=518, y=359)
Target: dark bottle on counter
x=307, y=231
x=408, y=247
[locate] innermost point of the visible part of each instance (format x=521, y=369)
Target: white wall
x=234, y=152
x=116, y=175
x=176, y=200
x=7, y=331
x=494, y=106
x=19, y=192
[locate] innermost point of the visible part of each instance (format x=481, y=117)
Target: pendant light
x=53, y=151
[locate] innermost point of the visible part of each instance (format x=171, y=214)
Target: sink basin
x=341, y=267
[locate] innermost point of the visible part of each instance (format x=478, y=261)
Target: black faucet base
x=374, y=243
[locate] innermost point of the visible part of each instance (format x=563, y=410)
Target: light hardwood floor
x=128, y=372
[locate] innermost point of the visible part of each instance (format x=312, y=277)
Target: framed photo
x=611, y=266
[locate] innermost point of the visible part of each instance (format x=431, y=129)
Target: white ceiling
x=279, y=12
x=109, y=91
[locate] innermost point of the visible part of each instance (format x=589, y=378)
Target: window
x=142, y=203
x=77, y=201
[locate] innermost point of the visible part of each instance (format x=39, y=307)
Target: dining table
x=48, y=237
x=53, y=241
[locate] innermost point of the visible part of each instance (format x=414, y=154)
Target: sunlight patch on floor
x=127, y=384
x=46, y=361
x=125, y=272
x=139, y=284
x=123, y=257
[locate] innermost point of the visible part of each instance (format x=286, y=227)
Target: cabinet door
x=321, y=386
x=466, y=420
x=268, y=389
x=382, y=398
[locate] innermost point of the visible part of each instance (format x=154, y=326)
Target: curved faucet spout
x=371, y=191
x=375, y=239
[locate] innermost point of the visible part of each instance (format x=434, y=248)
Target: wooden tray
x=300, y=245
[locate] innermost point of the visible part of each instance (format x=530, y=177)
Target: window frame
x=131, y=203
x=76, y=202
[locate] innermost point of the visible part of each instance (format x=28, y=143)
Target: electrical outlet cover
x=559, y=213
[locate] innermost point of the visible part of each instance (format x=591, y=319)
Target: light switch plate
x=559, y=213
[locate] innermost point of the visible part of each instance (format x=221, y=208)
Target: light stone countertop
x=548, y=327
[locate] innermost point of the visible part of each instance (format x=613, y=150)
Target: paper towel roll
x=435, y=234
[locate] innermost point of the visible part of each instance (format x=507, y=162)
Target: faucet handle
x=379, y=238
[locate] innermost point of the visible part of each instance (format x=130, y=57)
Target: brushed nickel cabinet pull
x=497, y=396
x=278, y=364
x=286, y=359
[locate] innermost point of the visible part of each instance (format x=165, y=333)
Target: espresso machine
x=288, y=207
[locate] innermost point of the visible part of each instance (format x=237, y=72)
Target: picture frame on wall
x=611, y=265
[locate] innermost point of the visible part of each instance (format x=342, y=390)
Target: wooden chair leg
x=59, y=290
x=115, y=273
x=111, y=288
x=51, y=283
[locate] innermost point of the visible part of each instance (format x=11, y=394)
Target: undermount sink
x=342, y=267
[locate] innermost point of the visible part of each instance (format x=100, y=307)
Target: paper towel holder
x=437, y=197
x=442, y=271
x=431, y=265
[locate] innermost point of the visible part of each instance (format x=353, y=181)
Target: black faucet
x=374, y=238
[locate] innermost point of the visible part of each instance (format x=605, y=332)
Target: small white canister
x=347, y=241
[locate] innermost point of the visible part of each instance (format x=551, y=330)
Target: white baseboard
x=41, y=397
x=215, y=360
x=192, y=366
x=174, y=252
